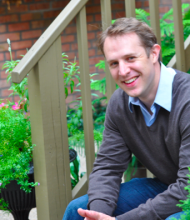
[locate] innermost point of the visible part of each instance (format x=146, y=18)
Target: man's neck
x=149, y=99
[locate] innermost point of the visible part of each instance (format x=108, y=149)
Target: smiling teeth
x=131, y=80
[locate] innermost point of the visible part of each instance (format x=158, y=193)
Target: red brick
x=72, y=55
x=26, y=17
x=8, y=57
x=74, y=46
x=60, y=4
x=39, y=6
x=120, y=14
x=146, y=4
x=1, y=57
x=18, y=8
x=51, y=14
x=20, y=53
x=163, y=9
x=28, y=0
x=93, y=27
x=4, y=83
x=89, y=18
x=93, y=9
x=98, y=17
x=118, y=6
x=2, y=28
x=31, y=34
x=2, y=10
x=91, y=35
x=94, y=44
x=92, y=52
x=68, y=38
x=40, y=24
x=21, y=45
x=164, y=2
x=66, y=47
x=19, y=26
x=95, y=60
x=3, y=74
x=9, y=18
x=3, y=47
x=5, y=92
x=138, y=4
x=70, y=30
x=93, y=69
x=11, y=36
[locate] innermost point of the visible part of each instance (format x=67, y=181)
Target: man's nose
x=124, y=69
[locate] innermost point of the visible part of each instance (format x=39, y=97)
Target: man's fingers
x=88, y=214
x=81, y=212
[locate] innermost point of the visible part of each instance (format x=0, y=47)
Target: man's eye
x=113, y=64
x=131, y=58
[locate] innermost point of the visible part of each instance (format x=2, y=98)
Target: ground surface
x=32, y=215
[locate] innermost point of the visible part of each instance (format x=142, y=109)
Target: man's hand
x=92, y=215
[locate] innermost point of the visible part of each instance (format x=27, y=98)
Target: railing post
x=49, y=133
x=155, y=20
x=106, y=22
x=130, y=8
x=85, y=89
x=178, y=33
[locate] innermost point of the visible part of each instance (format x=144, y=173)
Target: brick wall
x=23, y=24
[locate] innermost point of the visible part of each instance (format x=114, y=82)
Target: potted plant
x=16, y=169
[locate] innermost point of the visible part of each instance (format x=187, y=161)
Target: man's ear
x=155, y=52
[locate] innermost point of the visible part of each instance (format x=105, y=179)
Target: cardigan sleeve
x=112, y=160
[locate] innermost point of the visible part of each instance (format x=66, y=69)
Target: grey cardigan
x=164, y=148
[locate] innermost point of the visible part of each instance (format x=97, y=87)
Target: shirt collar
x=164, y=93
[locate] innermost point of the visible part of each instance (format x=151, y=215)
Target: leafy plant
x=15, y=148
x=185, y=204
x=167, y=29
x=18, y=89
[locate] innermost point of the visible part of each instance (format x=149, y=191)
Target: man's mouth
x=131, y=80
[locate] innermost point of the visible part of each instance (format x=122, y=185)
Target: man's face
x=131, y=68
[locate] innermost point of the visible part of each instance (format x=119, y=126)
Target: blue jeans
x=141, y=189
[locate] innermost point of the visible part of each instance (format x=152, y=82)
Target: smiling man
x=147, y=116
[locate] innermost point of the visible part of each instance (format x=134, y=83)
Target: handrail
x=172, y=62
x=47, y=39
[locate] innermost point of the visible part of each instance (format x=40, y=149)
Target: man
x=147, y=116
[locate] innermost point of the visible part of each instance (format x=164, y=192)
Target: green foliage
x=17, y=89
x=167, y=29
x=185, y=204
x=15, y=148
x=70, y=74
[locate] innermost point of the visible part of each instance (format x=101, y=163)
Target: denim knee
x=71, y=210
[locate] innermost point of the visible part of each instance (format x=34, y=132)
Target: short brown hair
x=128, y=25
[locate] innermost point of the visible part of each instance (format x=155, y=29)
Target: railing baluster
x=178, y=33
x=49, y=133
x=85, y=88
x=106, y=22
x=130, y=8
x=155, y=20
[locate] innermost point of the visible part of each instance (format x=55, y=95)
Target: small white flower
x=8, y=41
x=9, y=49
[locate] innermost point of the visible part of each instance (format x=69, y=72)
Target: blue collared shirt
x=163, y=96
